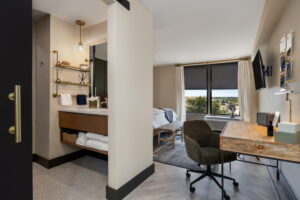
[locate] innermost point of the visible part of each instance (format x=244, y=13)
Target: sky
x=215, y=93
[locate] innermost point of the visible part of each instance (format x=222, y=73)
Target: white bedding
x=159, y=118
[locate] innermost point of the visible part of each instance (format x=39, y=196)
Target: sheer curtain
x=179, y=93
x=247, y=93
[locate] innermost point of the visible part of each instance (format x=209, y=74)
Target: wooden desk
x=251, y=139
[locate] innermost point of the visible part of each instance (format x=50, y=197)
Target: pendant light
x=80, y=23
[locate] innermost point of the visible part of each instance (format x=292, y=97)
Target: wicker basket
x=69, y=138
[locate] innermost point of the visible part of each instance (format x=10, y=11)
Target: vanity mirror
x=98, y=63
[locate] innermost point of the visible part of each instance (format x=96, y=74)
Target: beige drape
x=247, y=93
x=179, y=93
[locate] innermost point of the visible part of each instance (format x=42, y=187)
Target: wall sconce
x=80, y=23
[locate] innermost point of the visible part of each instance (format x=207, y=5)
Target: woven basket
x=70, y=138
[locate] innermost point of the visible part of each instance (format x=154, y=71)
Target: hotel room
x=150, y=99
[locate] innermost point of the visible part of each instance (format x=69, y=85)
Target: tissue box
x=289, y=127
x=286, y=137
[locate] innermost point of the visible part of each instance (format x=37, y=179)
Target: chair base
x=212, y=175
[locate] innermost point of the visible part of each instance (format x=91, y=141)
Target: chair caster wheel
x=188, y=175
x=192, y=189
x=227, y=197
x=235, y=184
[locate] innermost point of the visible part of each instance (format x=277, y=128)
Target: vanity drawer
x=84, y=122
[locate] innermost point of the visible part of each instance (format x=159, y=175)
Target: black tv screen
x=258, y=70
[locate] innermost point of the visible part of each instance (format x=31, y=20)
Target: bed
x=161, y=124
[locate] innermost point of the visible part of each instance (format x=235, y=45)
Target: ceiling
x=204, y=30
x=90, y=11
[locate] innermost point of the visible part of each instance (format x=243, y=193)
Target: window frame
x=209, y=91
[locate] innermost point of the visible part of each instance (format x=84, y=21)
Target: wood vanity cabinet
x=84, y=122
x=75, y=122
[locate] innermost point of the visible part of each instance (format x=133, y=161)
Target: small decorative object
x=65, y=63
x=282, y=64
x=231, y=109
x=81, y=99
x=289, y=69
x=282, y=81
x=83, y=66
x=82, y=78
x=276, y=118
x=93, y=102
x=264, y=118
x=270, y=129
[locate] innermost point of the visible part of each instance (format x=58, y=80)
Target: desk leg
x=158, y=138
x=277, y=170
x=222, y=172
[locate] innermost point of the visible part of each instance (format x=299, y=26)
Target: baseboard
x=112, y=194
x=58, y=161
x=97, y=155
x=34, y=157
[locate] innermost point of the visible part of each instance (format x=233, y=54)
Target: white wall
x=130, y=86
x=268, y=102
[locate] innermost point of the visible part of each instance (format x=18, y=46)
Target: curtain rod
x=213, y=62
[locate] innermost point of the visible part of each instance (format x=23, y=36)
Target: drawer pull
x=259, y=147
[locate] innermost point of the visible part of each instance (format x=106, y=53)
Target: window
x=195, y=79
x=209, y=89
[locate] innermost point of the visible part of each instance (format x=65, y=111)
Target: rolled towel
x=97, y=145
x=97, y=137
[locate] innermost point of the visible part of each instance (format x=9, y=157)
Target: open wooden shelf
x=72, y=83
x=72, y=68
x=84, y=147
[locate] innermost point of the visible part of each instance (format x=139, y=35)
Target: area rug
x=165, y=153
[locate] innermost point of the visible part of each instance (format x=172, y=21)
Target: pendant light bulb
x=80, y=45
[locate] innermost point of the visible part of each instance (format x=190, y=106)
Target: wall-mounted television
x=258, y=70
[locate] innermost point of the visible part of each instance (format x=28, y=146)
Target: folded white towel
x=82, y=139
x=66, y=99
x=97, y=137
x=81, y=143
x=97, y=145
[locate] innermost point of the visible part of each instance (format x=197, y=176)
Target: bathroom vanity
x=72, y=121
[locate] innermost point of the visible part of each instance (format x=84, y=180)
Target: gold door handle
x=16, y=129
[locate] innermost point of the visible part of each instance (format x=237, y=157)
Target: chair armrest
x=215, y=140
x=193, y=149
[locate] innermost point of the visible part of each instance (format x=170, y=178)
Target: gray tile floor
x=82, y=179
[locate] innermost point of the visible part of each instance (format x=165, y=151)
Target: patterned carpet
x=84, y=178
x=164, y=153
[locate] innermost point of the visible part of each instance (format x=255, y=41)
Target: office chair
x=202, y=146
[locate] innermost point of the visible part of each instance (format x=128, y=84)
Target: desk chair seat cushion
x=202, y=144
x=211, y=156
